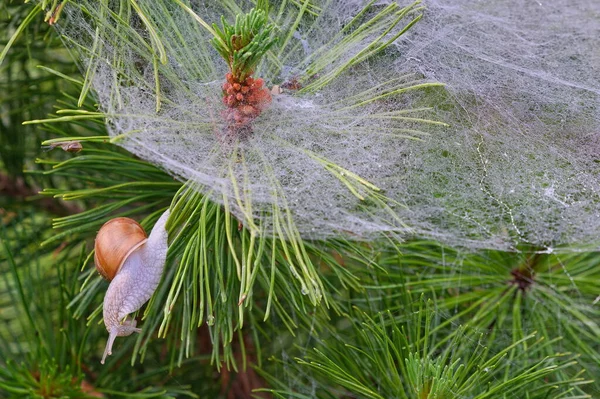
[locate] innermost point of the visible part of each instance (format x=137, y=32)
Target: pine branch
x=381, y=357
x=506, y=295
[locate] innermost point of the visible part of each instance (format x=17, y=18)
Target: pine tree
x=250, y=304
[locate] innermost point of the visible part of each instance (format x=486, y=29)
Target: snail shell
x=116, y=240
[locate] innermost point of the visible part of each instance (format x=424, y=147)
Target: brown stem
x=240, y=384
x=17, y=188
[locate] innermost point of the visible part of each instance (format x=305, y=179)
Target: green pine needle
x=243, y=44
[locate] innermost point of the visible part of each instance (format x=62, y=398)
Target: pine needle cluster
x=244, y=43
x=246, y=308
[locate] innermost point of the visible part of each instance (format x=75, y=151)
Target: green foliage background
x=398, y=320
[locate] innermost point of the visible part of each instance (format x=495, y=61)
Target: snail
x=133, y=263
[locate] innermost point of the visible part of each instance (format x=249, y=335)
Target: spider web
x=518, y=165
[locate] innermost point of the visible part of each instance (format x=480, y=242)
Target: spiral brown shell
x=115, y=241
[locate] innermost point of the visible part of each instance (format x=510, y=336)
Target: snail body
x=135, y=277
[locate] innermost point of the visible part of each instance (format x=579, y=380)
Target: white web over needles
x=519, y=164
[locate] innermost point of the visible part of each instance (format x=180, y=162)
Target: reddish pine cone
x=251, y=93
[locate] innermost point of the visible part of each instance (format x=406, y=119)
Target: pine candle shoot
x=242, y=45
